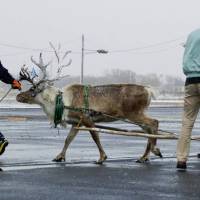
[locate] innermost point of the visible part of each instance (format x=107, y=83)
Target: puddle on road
x=14, y=118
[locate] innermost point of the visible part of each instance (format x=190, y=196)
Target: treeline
x=166, y=86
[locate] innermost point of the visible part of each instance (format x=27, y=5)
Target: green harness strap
x=85, y=98
x=59, y=109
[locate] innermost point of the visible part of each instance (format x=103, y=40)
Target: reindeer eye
x=33, y=94
x=32, y=89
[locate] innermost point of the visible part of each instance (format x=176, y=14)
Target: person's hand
x=16, y=85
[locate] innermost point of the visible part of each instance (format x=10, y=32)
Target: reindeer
x=124, y=101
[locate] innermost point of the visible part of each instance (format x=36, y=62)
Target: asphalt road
x=29, y=172
x=157, y=180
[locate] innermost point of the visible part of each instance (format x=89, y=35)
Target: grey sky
x=108, y=24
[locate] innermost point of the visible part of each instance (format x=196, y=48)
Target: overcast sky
x=152, y=29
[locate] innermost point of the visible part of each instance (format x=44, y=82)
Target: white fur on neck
x=47, y=98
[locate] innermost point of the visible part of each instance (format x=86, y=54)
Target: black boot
x=3, y=143
x=181, y=165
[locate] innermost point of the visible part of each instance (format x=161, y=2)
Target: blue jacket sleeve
x=5, y=76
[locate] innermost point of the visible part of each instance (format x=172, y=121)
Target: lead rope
x=92, y=113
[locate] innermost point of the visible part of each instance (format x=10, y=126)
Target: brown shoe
x=181, y=165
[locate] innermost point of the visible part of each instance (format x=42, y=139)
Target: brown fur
x=119, y=100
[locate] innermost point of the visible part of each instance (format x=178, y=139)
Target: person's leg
x=191, y=108
x=3, y=143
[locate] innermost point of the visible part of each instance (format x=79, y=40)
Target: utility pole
x=99, y=51
x=82, y=60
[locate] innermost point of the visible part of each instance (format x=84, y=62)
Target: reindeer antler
x=59, y=60
x=25, y=75
x=41, y=65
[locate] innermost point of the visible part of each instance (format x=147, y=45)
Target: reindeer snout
x=25, y=97
x=21, y=98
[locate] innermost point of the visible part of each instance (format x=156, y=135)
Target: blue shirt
x=191, y=57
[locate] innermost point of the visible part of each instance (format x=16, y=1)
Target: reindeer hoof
x=58, y=160
x=100, y=161
x=142, y=160
x=160, y=155
x=157, y=152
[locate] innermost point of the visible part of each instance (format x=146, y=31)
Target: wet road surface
x=30, y=174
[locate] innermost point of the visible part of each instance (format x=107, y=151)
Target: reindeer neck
x=47, y=101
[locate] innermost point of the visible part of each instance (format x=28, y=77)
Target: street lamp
x=102, y=51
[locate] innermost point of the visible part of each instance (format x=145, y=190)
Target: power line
x=145, y=47
x=137, y=52
x=13, y=54
x=89, y=50
x=20, y=47
x=155, y=51
x=31, y=49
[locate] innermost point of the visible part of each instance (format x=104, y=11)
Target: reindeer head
x=33, y=95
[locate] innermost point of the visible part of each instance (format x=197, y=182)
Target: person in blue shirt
x=7, y=78
x=191, y=68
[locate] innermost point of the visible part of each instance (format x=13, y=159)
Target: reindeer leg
x=103, y=157
x=95, y=137
x=152, y=129
x=154, y=149
x=151, y=146
x=145, y=157
x=61, y=156
x=150, y=126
